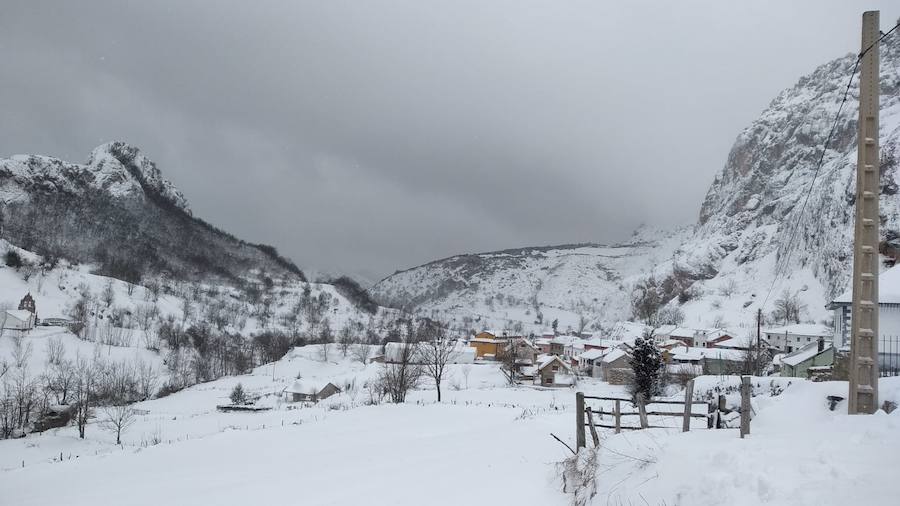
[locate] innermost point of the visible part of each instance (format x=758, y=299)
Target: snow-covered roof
x=628, y=331
x=593, y=354
x=670, y=342
x=613, y=355
x=735, y=342
x=888, y=289
x=691, y=354
x=564, y=340
x=664, y=330
x=548, y=359
x=803, y=354
x=306, y=387
x=802, y=329
x=683, y=332
x=19, y=314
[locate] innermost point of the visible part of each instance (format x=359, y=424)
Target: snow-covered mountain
x=721, y=270
x=531, y=286
x=118, y=213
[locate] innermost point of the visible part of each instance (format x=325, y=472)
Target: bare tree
x=582, y=324
x=117, y=419
x=108, y=295
x=466, y=370
x=147, y=378
x=325, y=339
x=21, y=351
x=646, y=299
x=434, y=355
x=401, y=374
x=60, y=380
x=345, y=341
x=508, y=358
x=728, y=288
x=56, y=351
x=83, y=393
x=361, y=353
x=788, y=308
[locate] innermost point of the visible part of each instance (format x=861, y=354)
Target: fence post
x=618, y=415
x=710, y=415
x=720, y=409
x=745, y=406
x=594, y=436
x=642, y=411
x=688, y=405
x=579, y=420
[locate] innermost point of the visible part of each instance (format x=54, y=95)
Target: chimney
x=821, y=344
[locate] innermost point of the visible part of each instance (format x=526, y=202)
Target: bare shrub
x=579, y=475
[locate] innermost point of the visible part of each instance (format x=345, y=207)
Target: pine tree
x=646, y=363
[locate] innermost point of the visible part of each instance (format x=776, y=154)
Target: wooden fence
x=584, y=414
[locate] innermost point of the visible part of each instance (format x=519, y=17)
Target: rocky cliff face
x=115, y=168
x=722, y=269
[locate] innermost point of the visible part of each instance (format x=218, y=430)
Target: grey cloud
x=369, y=136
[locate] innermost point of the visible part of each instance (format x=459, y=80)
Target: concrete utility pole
x=864, y=323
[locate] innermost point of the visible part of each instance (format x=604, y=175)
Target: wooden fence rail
x=713, y=414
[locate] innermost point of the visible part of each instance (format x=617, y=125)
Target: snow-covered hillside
x=117, y=212
x=724, y=266
x=531, y=287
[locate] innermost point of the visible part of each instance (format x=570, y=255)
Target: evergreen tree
x=238, y=396
x=646, y=363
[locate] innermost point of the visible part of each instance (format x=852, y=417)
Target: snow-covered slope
x=725, y=266
x=118, y=213
x=531, y=286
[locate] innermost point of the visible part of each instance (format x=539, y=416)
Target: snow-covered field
x=486, y=443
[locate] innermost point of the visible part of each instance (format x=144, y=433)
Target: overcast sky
x=370, y=136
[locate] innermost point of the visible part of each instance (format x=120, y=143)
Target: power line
x=790, y=249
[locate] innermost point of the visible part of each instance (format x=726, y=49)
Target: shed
x=308, y=391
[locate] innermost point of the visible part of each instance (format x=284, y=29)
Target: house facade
x=888, y=317
x=794, y=337
x=814, y=355
x=552, y=371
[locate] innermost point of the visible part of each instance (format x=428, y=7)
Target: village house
x=304, y=391
x=589, y=362
x=793, y=337
x=709, y=360
x=552, y=371
x=20, y=319
x=814, y=355
x=487, y=344
x=888, y=310
x=615, y=367
x=713, y=338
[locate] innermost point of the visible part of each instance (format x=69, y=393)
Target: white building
x=20, y=319
x=793, y=337
x=888, y=309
